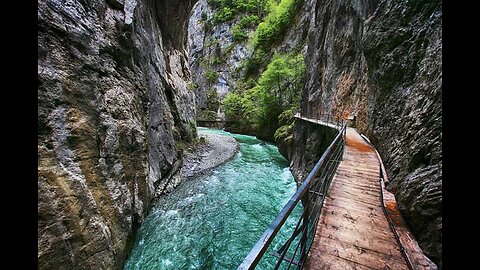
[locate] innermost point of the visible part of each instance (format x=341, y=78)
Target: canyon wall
x=116, y=101
x=382, y=61
x=113, y=105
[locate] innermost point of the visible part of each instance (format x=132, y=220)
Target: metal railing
x=312, y=194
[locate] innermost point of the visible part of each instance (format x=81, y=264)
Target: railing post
x=304, y=237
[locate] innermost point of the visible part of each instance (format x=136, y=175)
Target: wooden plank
x=358, y=196
x=359, y=167
x=353, y=232
x=332, y=262
x=362, y=256
x=346, y=200
x=374, y=245
x=363, y=199
x=372, y=189
x=364, y=234
x=352, y=205
x=365, y=218
x=358, y=182
x=356, y=177
x=350, y=187
x=362, y=186
x=363, y=167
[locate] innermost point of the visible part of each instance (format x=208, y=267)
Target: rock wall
x=212, y=49
x=310, y=141
x=112, y=105
x=381, y=61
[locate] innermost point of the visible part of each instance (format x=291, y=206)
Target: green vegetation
x=277, y=90
x=286, y=122
x=239, y=30
x=212, y=41
x=250, y=10
x=208, y=26
x=225, y=10
x=223, y=14
x=259, y=100
x=249, y=21
x=191, y=86
x=211, y=75
x=269, y=31
x=228, y=48
x=211, y=98
x=240, y=6
x=238, y=33
x=189, y=137
x=203, y=17
x=233, y=106
x=218, y=60
x=277, y=21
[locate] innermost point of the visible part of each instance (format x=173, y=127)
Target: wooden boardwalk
x=353, y=231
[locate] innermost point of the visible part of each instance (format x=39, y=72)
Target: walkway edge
x=415, y=257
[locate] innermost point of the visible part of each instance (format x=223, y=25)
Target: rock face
x=213, y=51
x=112, y=104
x=311, y=140
x=381, y=60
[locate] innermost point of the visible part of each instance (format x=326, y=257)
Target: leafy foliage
x=232, y=106
x=245, y=6
x=277, y=21
x=238, y=33
x=269, y=31
x=223, y=14
x=211, y=75
x=249, y=21
x=203, y=17
x=212, y=100
x=277, y=90
x=239, y=30
x=226, y=10
x=286, y=122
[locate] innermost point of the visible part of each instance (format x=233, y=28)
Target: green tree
x=238, y=33
x=211, y=97
x=277, y=90
x=232, y=106
x=211, y=76
x=277, y=21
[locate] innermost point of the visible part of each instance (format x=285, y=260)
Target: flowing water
x=213, y=221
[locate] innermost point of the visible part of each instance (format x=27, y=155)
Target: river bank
x=211, y=151
x=216, y=150
x=213, y=220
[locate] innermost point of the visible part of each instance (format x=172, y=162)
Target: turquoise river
x=213, y=221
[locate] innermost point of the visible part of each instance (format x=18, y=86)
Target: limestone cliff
x=215, y=58
x=113, y=104
x=381, y=61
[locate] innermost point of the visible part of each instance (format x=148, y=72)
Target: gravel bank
x=216, y=150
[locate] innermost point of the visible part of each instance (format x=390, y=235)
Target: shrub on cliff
x=277, y=21
x=277, y=90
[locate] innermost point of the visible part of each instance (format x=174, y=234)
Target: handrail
x=383, y=180
x=324, y=164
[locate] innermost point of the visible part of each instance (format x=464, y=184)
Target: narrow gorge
x=124, y=86
x=113, y=107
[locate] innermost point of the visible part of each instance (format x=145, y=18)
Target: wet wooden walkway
x=353, y=231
